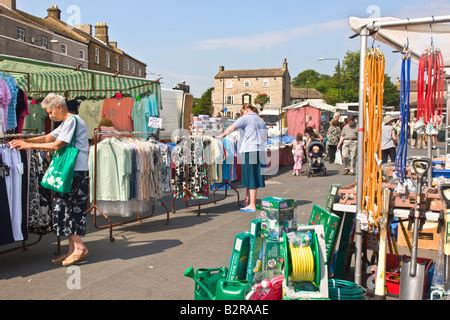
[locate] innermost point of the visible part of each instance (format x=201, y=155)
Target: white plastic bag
x=338, y=160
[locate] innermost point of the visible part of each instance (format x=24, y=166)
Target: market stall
x=412, y=37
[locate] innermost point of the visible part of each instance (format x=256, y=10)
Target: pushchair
x=316, y=162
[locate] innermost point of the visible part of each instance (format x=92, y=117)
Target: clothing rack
x=199, y=205
x=24, y=245
x=95, y=209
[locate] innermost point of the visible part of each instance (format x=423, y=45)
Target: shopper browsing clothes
x=69, y=212
x=251, y=148
x=298, y=150
x=349, y=145
x=389, y=140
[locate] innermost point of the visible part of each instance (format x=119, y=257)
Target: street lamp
x=339, y=74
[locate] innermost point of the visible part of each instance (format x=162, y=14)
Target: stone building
x=233, y=88
x=53, y=40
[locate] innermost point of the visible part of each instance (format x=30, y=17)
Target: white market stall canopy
x=396, y=32
x=315, y=103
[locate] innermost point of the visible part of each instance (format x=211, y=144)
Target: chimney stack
x=221, y=69
x=113, y=44
x=101, y=32
x=11, y=4
x=54, y=12
x=285, y=64
x=85, y=28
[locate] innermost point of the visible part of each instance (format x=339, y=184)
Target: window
x=133, y=68
x=230, y=100
x=266, y=83
x=229, y=84
x=140, y=72
x=247, y=84
x=128, y=65
x=82, y=55
x=20, y=34
x=44, y=42
x=108, y=60
x=64, y=48
x=117, y=64
x=97, y=55
x=246, y=99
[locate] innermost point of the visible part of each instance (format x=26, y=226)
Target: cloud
x=269, y=39
x=419, y=10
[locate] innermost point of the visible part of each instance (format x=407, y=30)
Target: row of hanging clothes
x=25, y=206
x=201, y=164
x=14, y=106
x=130, y=173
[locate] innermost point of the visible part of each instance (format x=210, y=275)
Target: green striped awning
x=40, y=78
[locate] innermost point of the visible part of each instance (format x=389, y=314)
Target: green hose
x=344, y=290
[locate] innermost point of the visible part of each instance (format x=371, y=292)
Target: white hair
x=53, y=100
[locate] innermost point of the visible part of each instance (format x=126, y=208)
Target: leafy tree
x=262, y=100
x=349, y=91
x=204, y=104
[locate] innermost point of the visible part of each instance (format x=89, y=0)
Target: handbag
x=338, y=159
x=59, y=176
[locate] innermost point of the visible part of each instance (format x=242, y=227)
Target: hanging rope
x=373, y=117
x=405, y=109
x=430, y=85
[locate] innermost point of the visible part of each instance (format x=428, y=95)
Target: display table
x=286, y=157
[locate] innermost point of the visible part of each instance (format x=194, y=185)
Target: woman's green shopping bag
x=59, y=176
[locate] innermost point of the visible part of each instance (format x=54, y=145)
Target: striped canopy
x=40, y=78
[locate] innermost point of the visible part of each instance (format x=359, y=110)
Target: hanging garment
x=119, y=112
x=5, y=99
x=166, y=173
x=6, y=230
x=13, y=89
x=12, y=159
x=35, y=121
x=24, y=193
x=91, y=112
x=39, y=215
x=22, y=110
x=141, y=114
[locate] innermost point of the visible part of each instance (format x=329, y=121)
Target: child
x=298, y=152
x=316, y=156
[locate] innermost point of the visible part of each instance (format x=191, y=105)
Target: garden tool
x=380, y=289
x=413, y=273
x=445, y=191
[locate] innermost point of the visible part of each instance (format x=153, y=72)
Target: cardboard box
x=428, y=237
x=239, y=258
x=278, y=203
x=277, y=221
x=255, y=258
x=330, y=223
x=273, y=260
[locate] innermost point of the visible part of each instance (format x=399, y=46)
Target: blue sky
x=188, y=40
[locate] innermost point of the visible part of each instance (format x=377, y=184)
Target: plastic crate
x=441, y=173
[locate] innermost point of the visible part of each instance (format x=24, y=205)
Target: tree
x=308, y=78
x=349, y=73
x=204, y=104
x=262, y=100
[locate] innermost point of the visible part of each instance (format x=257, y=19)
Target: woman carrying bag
x=68, y=175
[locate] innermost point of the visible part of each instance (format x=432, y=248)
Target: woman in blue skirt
x=253, y=137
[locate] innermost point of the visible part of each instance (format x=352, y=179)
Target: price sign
x=155, y=123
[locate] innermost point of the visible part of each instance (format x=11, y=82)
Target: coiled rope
x=373, y=117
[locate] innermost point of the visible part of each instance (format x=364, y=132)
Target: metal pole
x=359, y=199
x=430, y=156
x=408, y=22
x=339, y=80
x=447, y=124
x=223, y=93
